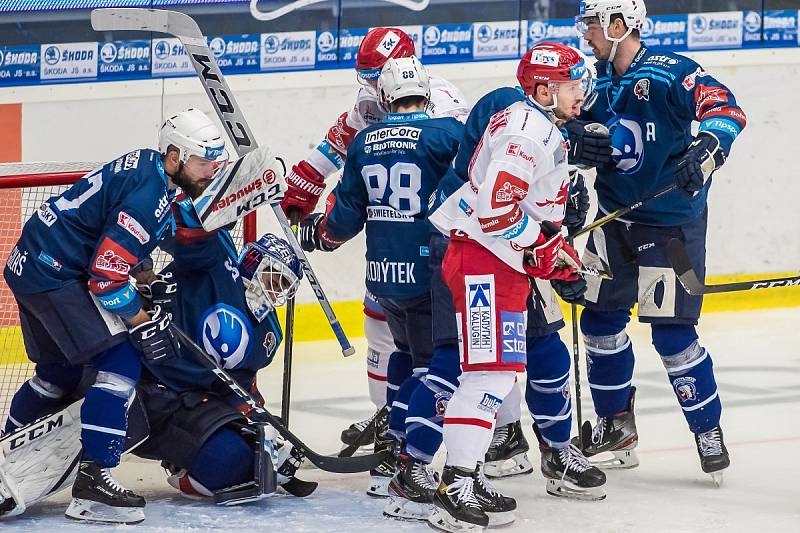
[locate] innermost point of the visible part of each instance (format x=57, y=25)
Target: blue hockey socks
x=397, y=372
x=104, y=414
x=427, y=404
x=547, y=390
x=609, y=356
x=44, y=393
x=691, y=374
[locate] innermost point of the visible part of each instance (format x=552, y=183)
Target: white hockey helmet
x=401, y=77
x=192, y=133
x=633, y=13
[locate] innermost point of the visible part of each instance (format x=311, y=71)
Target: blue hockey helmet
x=271, y=272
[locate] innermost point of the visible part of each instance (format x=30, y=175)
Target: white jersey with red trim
x=446, y=101
x=517, y=178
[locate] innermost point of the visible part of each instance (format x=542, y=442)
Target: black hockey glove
x=589, y=143
x=311, y=234
x=701, y=159
x=577, y=205
x=155, y=338
x=572, y=292
x=161, y=291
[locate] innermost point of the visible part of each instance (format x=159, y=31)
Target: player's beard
x=192, y=188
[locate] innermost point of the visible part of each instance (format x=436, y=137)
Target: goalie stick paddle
x=343, y=465
x=230, y=114
x=682, y=265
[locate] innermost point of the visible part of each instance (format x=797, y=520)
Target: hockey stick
x=288, y=344
x=367, y=434
x=622, y=211
x=576, y=363
x=188, y=33
x=682, y=265
x=345, y=465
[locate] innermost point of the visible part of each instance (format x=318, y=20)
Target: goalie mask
x=271, y=273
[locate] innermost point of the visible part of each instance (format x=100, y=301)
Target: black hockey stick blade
x=364, y=437
x=342, y=465
x=682, y=265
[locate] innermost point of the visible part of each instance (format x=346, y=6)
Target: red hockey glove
x=304, y=187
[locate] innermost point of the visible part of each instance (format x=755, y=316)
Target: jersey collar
x=405, y=117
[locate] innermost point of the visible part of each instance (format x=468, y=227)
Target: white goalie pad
x=39, y=459
x=255, y=179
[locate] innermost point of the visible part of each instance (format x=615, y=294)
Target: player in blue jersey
x=193, y=422
x=649, y=100
x=69, y=273
x=391, y=169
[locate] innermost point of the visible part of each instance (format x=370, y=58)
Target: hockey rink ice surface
x=758, y=372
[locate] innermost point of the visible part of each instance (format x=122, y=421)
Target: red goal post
x=23, y=188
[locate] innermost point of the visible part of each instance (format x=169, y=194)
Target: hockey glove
x=155, y=338
x=589, y=143
x=161, y=291
x=541, y=258
x=304, y=187
x=572, y=292
x=702, y=157
x=578, y=204
x=312, y=234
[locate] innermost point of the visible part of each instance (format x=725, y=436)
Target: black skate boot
x=358, y=432
x=499, y=508
x=457, y=507
x=615, y=434
x=507, y=453
x=383, y=473
x=411, y=490
x=713, y=453
x=97, y=497
x=570, y=475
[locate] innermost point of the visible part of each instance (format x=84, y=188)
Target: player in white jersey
x=306, y=181
x=504, y=226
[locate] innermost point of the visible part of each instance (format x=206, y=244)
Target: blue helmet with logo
x=271, y=272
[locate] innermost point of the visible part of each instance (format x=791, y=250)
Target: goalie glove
x=304, y=187
x=155, y=338
x=701, y=159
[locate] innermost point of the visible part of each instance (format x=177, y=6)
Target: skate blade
x=498, y=520
x=443, y=521
x=90, y=511
x=717, y=478
x=564, y=489
x=514, y=466
x=615, y=460
x=402, y=508
x=378, y=487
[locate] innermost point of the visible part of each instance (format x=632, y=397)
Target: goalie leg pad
x=263, y=480
x=39, y=459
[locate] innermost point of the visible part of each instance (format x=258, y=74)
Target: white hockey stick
x=414, y=5
x=186, y=30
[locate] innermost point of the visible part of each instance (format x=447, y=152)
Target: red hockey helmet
x=379, y=45
x=550, y=63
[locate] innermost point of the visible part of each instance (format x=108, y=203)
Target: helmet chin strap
x=615, y=42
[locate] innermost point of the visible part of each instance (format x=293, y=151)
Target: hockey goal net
x=23, y=188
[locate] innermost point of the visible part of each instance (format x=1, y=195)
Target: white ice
x=758, y=371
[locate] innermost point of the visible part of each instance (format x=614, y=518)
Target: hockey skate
x=570, y=475
x=713, y=454
x=355, y=432
x=499, y=508
x=381, y=475
x=457, y=507
x=98, y=497
x=507, y=453
x=612, y=441
x=411, y=490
